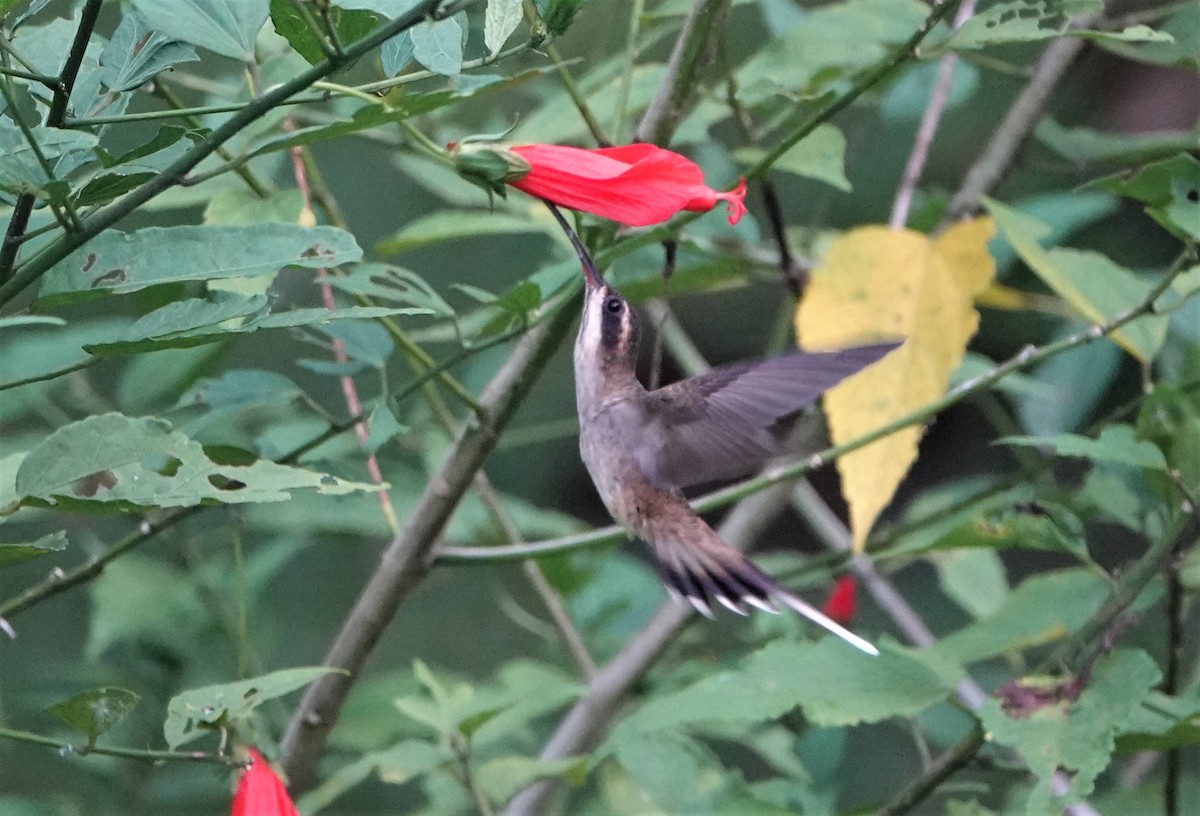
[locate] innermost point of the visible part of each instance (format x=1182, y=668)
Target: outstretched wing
x=725, y=423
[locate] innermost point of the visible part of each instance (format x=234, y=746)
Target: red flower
x=260, y=792
x=842, y=600
x=636, y=185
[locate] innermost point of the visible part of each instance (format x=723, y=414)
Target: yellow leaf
x=877, y=283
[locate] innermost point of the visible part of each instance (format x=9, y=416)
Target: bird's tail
x=697, y=566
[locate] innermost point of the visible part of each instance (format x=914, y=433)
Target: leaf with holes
x=191, y=713
x=1169, y=188
x=1076, y=738
x=112, y=462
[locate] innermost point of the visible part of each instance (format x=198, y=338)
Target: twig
x=64, y=84
x=354, y=407
x=996, y=159
x=409, y=555
x=586, y=722
x=143, y=754
x=928, y=126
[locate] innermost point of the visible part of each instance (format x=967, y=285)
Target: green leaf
x=396, y=54
x=191, y=713
x=394, y=284
x=16, y=553
x=1081, y=145
x=1171, y=190
x=239, y=389
x=112, y=462
x=1116, y=444
x=96, y=711
x=1078, y=738
x=438, y=45
x=455, y=225
x=397, y=765
x=350, y=25
x=973, y=579
x=503, y=777
x=396, y=107
x=829, y=43
x=1183, y=50
x=135, y=55
x=126, y=262
x=1019, y=21
x=1163, y=721
x=1043, y=609
x=192, y=322
x=821, y=155
x=832, y=683
x=225, y=27
x=20, y=169
x=1095, y=287
x=499, y=22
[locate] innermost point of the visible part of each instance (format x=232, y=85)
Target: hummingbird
x=642, y=447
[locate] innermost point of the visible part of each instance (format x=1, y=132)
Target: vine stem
x=144, y=754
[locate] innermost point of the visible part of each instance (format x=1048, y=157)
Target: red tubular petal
x=842, y=600
x=636, y=185
x=260, y=792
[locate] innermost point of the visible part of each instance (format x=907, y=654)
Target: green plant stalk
x=1029, y=356
x=61, y=248
x=143, y=754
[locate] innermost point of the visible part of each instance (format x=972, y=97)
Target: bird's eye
x=612, y=304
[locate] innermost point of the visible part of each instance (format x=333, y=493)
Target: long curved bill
x=590, y=274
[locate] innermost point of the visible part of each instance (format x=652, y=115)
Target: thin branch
x=1008, y=137
x=64, y=84
x=50, y=82
x=146, y=755
x=56, y=251
x=349, y=388
x=939, y=97
x=410, y=554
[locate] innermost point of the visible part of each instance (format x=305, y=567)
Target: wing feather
x=725, y=423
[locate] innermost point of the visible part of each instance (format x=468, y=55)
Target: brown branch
x=409, y=555
x=998, y=157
